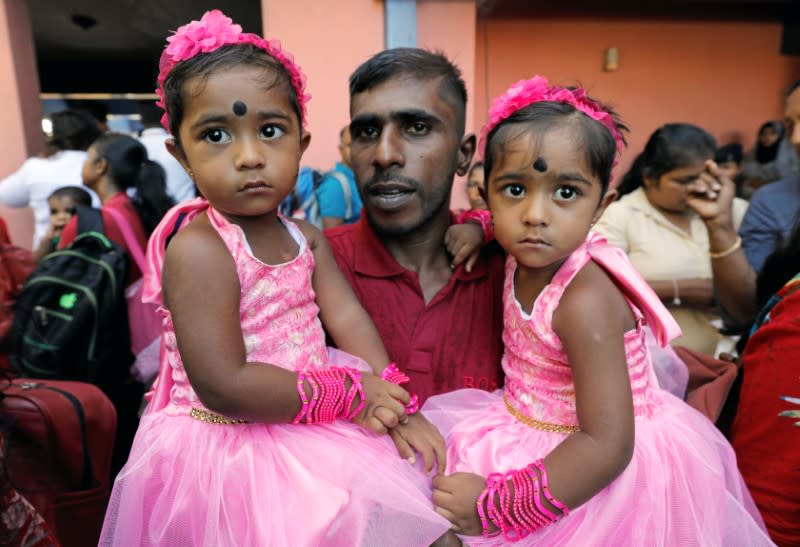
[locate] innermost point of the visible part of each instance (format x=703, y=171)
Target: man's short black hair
x=419, y=64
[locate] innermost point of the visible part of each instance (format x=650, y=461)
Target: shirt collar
x=373, y=259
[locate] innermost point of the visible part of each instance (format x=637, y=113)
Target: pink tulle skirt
x=682, y=486
x=191, y=483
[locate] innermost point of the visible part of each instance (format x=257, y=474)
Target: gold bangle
x=729, y=250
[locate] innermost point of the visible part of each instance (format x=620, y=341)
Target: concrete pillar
x=21, y=112
x=328, y=40
x=456, y=39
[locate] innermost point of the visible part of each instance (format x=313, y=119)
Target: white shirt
x=32, y=184
x=179, y=186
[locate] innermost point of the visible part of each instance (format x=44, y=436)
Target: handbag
x=143, y=319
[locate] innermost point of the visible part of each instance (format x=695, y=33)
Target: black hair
x=597, y=140
x=226, y=57
x=779, y=267
x=767, y=154
x=419, y=64
x=129, y=167
x=72, y=130
x=670, y=147
x=150, y=114
x=75, y=193
x=793, y=87
x=729, y=152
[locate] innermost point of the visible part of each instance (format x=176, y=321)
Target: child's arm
x=201, y=290
x=352, y=329
x=45, y=246
x=591, y=320
x=466, y=237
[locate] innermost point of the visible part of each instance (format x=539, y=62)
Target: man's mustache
x=391, y=176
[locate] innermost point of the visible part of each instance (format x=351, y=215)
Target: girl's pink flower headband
x=213, y=31
x=536, y=90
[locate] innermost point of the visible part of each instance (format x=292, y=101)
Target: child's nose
x=249, y=154
x=535, y=211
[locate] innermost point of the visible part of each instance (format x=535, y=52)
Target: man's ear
x=466, y=149
x=608, y=199
x=176, y=150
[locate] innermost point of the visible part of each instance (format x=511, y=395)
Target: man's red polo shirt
x=456, y=340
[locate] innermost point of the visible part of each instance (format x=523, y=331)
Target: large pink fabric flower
x=213, y=31
x=538, y=89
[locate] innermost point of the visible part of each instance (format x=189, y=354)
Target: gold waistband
x=544, y=426
x=211, y=418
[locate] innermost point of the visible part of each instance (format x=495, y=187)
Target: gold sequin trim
x=544, y=426
x=211, y=418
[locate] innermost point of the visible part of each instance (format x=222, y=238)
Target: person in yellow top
x=663, y=236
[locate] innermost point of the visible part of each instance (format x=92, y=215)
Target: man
x=441, y=326
x=179, y=186
x=775, y=208
x=337, y=194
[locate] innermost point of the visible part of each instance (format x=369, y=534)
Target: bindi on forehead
x=239, y=108
x=540, y=165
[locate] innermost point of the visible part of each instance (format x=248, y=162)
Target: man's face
x=792, y=118
x=405, y=150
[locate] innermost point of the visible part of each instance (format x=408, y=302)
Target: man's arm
x=760, y=236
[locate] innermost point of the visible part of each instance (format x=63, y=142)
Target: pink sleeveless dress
x=190, y=482
x=682, y=486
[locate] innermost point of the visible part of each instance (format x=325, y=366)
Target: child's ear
x=305, y=140
x=466, y=149
x=176, y=150
x=101, y=166
x=608, y=199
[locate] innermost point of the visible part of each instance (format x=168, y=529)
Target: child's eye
x=271, y=132
x=53, y=212
x=72, y=210
x=217, y=136
x=514, y=190
x=566, y=193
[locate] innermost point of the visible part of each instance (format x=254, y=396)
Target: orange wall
x=328, y=40
x=727, y=77
x=457, y=40
x=21, y=114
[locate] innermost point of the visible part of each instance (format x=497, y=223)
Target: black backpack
x=70, y=320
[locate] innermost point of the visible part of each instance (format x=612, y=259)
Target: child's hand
x=455, y=497
x=384, y=405
x=419, y=435
x=464, y=242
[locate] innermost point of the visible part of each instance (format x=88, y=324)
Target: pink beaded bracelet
x=394, y=375
x=484, y=217
x=329, y=398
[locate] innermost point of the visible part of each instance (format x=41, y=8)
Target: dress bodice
x=539, y=382
x=277, y=310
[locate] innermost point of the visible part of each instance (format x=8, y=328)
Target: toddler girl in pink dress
x=581, y=447
x=257, y=434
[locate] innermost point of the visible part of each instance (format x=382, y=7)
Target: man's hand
x=419, y=435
